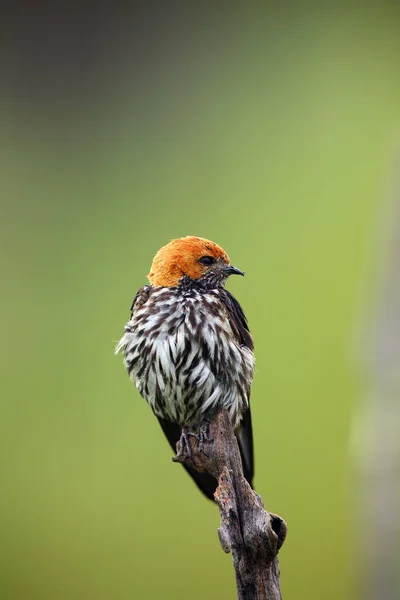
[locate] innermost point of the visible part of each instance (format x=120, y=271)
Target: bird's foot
x=202, y=437
x=184, y=447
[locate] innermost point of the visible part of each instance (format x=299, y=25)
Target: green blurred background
x=267, y=129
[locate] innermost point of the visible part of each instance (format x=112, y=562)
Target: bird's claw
x=185, y=450
x=202, y=437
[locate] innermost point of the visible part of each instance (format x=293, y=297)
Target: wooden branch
x=253, y=535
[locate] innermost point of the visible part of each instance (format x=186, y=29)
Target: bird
x=188, y=349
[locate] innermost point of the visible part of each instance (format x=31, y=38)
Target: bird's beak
x=230, y=270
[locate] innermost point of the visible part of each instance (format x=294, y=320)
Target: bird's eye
x=207, y=260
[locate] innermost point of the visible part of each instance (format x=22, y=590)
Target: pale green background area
x=277, y=144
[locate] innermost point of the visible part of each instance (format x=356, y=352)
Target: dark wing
x=244, y=433
x=237, y=319
x=205, y=481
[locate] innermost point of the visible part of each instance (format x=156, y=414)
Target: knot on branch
x=260, y=534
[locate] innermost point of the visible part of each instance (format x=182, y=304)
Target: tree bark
x=253, y=535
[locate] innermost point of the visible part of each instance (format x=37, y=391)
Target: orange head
x=191, y=257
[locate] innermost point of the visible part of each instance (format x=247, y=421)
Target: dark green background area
x=270, y=132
